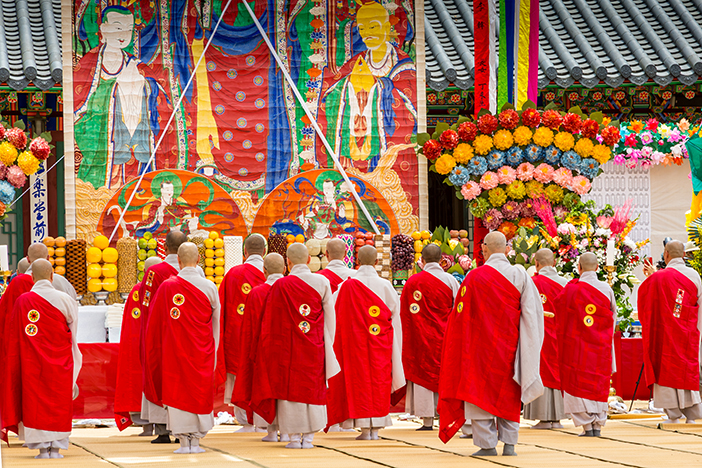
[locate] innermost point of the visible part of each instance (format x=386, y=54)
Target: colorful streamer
x=484, y=14
x=527, y=50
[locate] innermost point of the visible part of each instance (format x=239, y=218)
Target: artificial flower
x=3, y=171
x=477, y=165
x=514, y=155
x=684, y=125
x=431, y=150
x=16, y=177
x=601, y=153
x=551, y=119
x=459, y=176
x=554, y=193
x=470, y=190
x=467, y=131
x=508, y=229
x=444, y=164
x=508, y=118
x=630, y=140
x=525, y=172
x=543, y=136
x=534, y=188
x=8, y=153
x=570, y=200
x=584, y=147
x=510, y=210
x=636, y=126
x=652, y=125
x=446, y=261
x=528, y=223
x=646, y=138
x=478, y=207
x=463, y=153
x=506, y=175
x=503, y=139
x=543, y=173
x=2, y=209
x=590, y=128
x=449, y=139
x=610, y=135
x=564, y=141
x=566, y=229
x=563, y=177
x=532, y=153
x=2, y=131
x=531, y=117
x=589, y=168
x=17, y=137
x=40, y=148
x=497, y=197
x=27, y=162
x=7, y=192
x=482, y=144
x=552, y=155
x=527, y=208
x=487, y=124
x=571, y=160
x=492, y=219
x=489, y=181
x=522, y=135
x=516, y=190
x=495, y=159
x=465, y=262
x=572, y=122
x=581, y=185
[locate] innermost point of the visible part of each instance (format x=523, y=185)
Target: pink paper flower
x=506, y=175
x=581, y=185
x=16, y=176
x=492, y=219
x=465, y=262
x=525, y=172
x=3, y=171
x=646, y=138
x=619, y=159
x=470, y=190
x=489, y=181
x=563, y=177
x=40, y=148
x=543, y=173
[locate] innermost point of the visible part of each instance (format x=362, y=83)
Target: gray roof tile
x=581, y=41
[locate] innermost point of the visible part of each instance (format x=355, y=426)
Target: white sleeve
x=72, y=321
x=216, y=311
x=398, y=373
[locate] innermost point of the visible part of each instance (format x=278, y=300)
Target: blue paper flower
x=589, y=168
x=571, y=160
x=515, y=156
x=459, y=277
x=477, y=166
x=533, y=153
x=552, y=155
x=495, y=159
x=459, y=176
x=7, y=192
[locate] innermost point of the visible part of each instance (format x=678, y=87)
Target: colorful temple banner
x=239, y=128
x=484, y=24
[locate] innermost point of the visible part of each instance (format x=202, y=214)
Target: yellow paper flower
x=516, y=190
x=601, y=153
x=497, y=197
x=8, y=153
x=636, y=126
x=534, y=188
x=28, y=163
x=482, y=144
x=444, y=164
x=554, y=193
x=564, y=141
x=503, y=139
x=463, y=153
x=584, y=147
x=522, y=135
x=543, y=136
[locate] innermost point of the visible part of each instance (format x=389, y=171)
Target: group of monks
x=335, y=350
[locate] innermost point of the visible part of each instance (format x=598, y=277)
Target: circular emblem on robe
x=240, y=309
x=175, y=313
x=305, y=310
x=374, y=329
x=246, y=288
x=414, y=308
x=417, y=295
x=588, y=320
x=31, y=329
x=590, y=309
x=304, y=326
x=460, y=307
x=135, y=296
x=543, y=298
x=374, y=311
x=136, y=312
x=178, y=299
x=463, y=291
x=33, y=315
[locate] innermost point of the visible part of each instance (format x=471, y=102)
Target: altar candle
x=4, y=264
x=611, y=251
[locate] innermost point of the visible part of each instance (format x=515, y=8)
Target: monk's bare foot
x=271, y=437
x=588, y=433
x=246, y=428
x=508, y=451
x=43, y=453
x=485, y=453
x=162, y=439
x=556, y=425
x=542, y=425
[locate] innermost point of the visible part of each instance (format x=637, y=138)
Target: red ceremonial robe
x=668, y=313
x=363, y=347
x=549, y=367
x=290, y=357
x=129, y=371
x=479, y=351
x=38, y=379
x=188, y=349
x=334, y=279
x=426, y=305
x=585, y=358
x=250, y=331
x=238, y=283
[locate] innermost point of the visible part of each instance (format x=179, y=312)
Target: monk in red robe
x=669, y=310
x=587, y=312
x=273, y=269
x=490, y=361
x=129, y=370
x=427, y=301
x=548, y=408
x=368, y=345
x=39, y=250
x=336, y=270
x=237, y=284
x=186, y=311
x=151, y=408
x=295, y=356
x=42, y=362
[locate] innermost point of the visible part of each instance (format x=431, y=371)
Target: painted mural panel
x=238, y=125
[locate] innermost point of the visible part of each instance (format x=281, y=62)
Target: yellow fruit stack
x=102, y=266
x=292, y=239
x=421, y=238
x=57, y=254
x=214, y=258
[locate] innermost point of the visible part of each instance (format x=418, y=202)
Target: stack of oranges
x=214, y=258
x=57, y=253
x=102, y=266
x=292, y=239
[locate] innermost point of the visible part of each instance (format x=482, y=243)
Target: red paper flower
x=610, y=135
x=590, y=128
x=630, y=140
x=449, y=139
x=2, y=131
x=552, y=119
x=531, y=118
x=487, y=124
x=572, y=122
x=509, y=118
x=432, y=150
x=40, y=148
x=652, y=124
x=467, y=131
x=17, y=137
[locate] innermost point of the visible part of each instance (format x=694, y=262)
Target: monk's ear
x=309, y=258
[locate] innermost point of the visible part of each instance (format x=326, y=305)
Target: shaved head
x=298, y=254
x=151, y=261
x=431, y=253
x=544, y=258
x=494, y=243
x=675, y=249
x=588, y=262
x=336, y=249
x=37, y=251
x=188, y=255
x=22, y=266
x=255, y=244
x=42, y=270
x=174, y=240
x=273, y=264
x=367, y=255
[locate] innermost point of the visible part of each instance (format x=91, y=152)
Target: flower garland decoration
x=650, y=143
x=501, y=163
